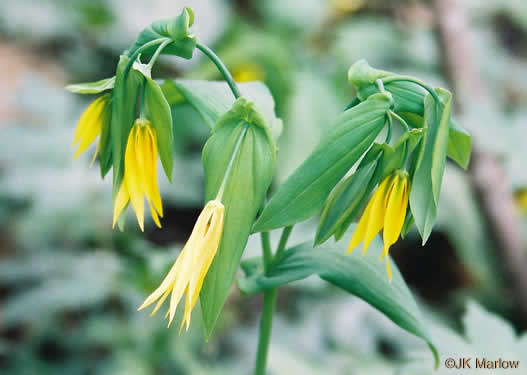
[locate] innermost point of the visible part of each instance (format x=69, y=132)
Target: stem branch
x=221, y=67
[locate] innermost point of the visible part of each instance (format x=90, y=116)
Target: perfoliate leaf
x=305, y=191
x=430, y=164
x=176, y=29
x=238, y=160
x=92, y=87
x=362, y=276
x=212, y=99
x=159, y=114
x=124, y=113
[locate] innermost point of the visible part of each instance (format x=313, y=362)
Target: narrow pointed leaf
x=362, y=276
x=159, y=114
x=92, y=87
x=428, y=175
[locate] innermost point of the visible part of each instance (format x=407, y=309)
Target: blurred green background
x=70, y=285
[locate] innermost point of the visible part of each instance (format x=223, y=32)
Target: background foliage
x=70, y=286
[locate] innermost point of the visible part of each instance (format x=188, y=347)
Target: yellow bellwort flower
x=386, y=209
x=189, y=271
x=90, y=125
x=140, y=175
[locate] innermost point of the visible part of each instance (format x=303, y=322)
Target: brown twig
x=487, y=175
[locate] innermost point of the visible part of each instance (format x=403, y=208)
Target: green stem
x=401, y=120
x=143, y=47
x=266, y=321
x=283, y=241
x=221, y=67
x=266, y=325
x=156, y=54
x=266, y=248
x=413, y=80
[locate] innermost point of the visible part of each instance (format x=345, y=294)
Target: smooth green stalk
x=221, y=67
x=143, y=47
x=156, y=54
x=266, y=321
x=400, y=119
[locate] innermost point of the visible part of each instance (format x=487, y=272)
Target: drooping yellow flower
x=386, y=209
x=191, y=266
x=140, y=175
x=520, y=200
x=90, y=124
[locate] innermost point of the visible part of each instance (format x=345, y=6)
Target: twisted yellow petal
x=89, y=125
x=386, y=209
x=189, y=271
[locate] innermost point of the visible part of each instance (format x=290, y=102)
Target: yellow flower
x=386, y=209
x=248, y=72
x=140, y=175
x=90, y=125
x=191, y=266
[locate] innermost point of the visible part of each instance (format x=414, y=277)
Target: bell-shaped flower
x=189, y=271
x=386, y=209
x=140, y=175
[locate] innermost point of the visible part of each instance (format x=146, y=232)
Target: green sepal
x=430, y=164
x=302, y=195
x=105, y=145
x=344, y=201
x=92, y=87
x=160, y=116
x=361, y=276
x=176, y=28
x=239, y=156
x=124, y=114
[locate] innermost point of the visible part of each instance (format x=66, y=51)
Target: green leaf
x=159, y=114
x=305, y=191
x=459, y=144
x=428, y=175
x=238, y=158
x=345, y=201
x=459, y=141
x=213, y=98
x=176, y=28
x=362, y=276
x=92, y=87
x=124, y=113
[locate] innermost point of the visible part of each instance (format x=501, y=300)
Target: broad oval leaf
x=305, y=191
x=362, y=276
x=242, y=149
